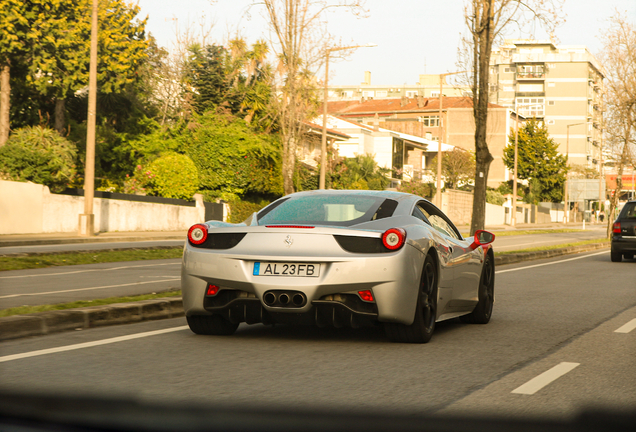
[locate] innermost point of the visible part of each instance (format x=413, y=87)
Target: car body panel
x=393, y=277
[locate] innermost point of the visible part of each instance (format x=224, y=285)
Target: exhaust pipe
x=298, y=299
x=269, y=298
x=283, y=299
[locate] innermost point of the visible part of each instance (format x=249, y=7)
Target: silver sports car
x=340, y=258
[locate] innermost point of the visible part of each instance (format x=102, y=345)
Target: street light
x=323, y=155
x=566, y=219
x=438, y=191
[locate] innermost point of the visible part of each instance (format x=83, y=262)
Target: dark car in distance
x=624, y=233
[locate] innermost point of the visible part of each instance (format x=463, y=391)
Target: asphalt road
x=87, y=282
x=561, y=313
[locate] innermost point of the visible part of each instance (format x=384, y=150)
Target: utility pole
x=440, y=133
x=87, y=219
x=513, y=220
x=323, y=146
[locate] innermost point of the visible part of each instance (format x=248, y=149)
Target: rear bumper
x=624, y=245
x=393, y=279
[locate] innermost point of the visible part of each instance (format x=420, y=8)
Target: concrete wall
x=27, y=208
x=458, y=206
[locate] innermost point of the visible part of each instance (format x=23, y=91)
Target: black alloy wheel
x=211, y=325
x=483, y=311
x=423, y=325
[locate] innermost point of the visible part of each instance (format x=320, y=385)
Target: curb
x=530, y=256
x=87, y=251
x=43, y=323
x=12, y=243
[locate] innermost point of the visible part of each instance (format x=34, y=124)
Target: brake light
x=617, y=228
x=212, y=290
x=393, y=238
x=366, y=295
x=198, y=234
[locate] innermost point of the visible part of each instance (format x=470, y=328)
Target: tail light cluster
x=198, y=234
x=393, y=239
x=617, y=228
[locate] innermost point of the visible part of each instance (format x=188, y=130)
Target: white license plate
x=286, y=269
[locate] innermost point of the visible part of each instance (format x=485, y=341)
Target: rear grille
x=361, y=244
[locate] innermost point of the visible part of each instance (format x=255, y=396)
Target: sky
x=413, y=37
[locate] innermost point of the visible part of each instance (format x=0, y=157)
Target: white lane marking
x=90, y=344
x=627, y=327
x=83, y=289
x=540, y=381
x=550, y=263
x=87, y=271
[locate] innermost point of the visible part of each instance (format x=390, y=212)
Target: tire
x=211, y=325
x=425, y=311
x=483, y=311
x=616, y=256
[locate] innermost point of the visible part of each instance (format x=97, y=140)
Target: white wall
x=27, y=208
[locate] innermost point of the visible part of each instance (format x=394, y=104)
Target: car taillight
x=394, y=238
x=617, y=228
x=212, y=290
x=198, y=234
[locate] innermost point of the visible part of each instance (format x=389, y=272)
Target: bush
x=39, y=155
x=425, y=190
x=494, y=197
x=241, y=210
x=173, y=176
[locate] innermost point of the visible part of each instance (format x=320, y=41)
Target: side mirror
x=482, y=238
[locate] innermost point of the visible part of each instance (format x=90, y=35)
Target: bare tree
x=300, y=38
x=487, y=20
x=619, y=60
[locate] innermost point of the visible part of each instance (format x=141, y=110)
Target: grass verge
x=86, y=257
x=552, y=247
x=23, y=310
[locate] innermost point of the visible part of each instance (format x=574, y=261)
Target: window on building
x=411, y=93
x=430, y=121
x=531, y=107
x=509, y=69
x=551, y=103
x=368, y=93
x=381, y=94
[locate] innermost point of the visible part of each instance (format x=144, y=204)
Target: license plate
x=286, y=269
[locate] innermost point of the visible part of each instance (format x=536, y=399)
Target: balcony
x=530, y=76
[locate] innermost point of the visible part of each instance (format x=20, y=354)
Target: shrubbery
x=39, y=155
x=173, y=176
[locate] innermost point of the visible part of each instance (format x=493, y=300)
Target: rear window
x=337, y=210
x=629, y=211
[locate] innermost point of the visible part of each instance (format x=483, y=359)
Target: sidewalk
x=70, y=238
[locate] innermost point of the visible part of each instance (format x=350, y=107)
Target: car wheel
x=616, y=256
x=211, y=325
x=425, y=312
x=483, y=311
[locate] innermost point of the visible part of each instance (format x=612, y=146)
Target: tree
x=360, y=172
x=14, y=27
x=458, y=166
x=299, y=27
x=60, y=48
x=619, y=58
x=486, y=21
x=538, y=161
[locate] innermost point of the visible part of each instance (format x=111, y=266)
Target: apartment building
x=419, y=117
x=562, y=85
x=427, y=86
